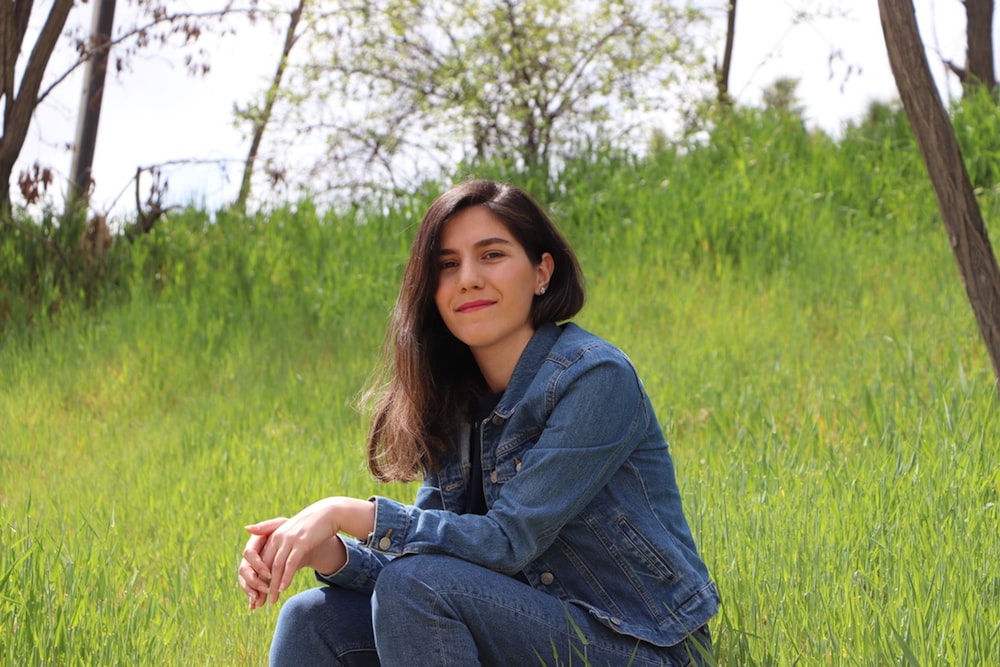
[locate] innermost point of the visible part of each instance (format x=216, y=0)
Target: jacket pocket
x=647, y=552
x=509, y=455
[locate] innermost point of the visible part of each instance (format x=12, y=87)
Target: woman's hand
x=278, y=548
x=254, y=575
x=309, y=539
x=290, y=546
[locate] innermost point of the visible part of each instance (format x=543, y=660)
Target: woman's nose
x=469, y=276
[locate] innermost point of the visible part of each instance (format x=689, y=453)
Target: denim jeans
x=437, y=610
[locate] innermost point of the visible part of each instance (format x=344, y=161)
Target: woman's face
x=487, y=284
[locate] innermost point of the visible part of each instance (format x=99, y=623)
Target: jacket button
x=493, y=476
x=547, y=578
x=384, y=544
x=615, y=620
x=497, y=420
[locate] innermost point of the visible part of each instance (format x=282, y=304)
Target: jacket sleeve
x=364, y=564
x=361, y=569
x=593, y=414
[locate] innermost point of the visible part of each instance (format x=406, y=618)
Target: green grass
x=791, y=304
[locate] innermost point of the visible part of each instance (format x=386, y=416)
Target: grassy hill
x=789, y=300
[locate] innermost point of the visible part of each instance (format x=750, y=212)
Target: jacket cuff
x=358, y=572
x=391, y=524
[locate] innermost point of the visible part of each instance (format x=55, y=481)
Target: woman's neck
x=497, y=363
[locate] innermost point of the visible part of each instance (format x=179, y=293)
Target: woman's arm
x=347, y=563
x=591, y=419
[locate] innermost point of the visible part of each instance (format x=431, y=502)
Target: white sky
x=159, y=114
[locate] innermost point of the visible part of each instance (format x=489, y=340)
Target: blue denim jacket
x=581, y=493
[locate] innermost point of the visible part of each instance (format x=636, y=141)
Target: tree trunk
x=722, y=74
x=261, y=121
x=939, y=148
x=19, y=104
x=979, y=46
x=89, y=114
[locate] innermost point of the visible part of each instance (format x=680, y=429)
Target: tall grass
x=791, y=304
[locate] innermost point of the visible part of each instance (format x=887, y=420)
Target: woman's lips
x=473, y=306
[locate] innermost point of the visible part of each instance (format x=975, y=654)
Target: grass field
x=791, y=304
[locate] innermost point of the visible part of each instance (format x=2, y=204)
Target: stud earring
x=542, y=291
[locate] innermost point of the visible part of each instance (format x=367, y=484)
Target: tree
x=722, y=71
x=394, y=88
x=93, y=98
x=978, y=70
x=939, y=148
x=21, y=83
x=21, y=99
x=259, y=118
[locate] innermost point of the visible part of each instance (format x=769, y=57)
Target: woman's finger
x=265, y=528
x=251, y=579
x=277, y=573
x=253, y=573
x=291, y=565
x=254, y=595
x=252, y=557
x=250, y=589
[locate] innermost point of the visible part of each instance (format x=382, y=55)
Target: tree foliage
x=392, y=89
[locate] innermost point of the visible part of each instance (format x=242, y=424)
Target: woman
x=549, y=527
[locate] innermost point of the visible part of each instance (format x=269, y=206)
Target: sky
x=158, y=114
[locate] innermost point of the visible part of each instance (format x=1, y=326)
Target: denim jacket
x=581, y=492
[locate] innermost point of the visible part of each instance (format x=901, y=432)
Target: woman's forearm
x=352, y=516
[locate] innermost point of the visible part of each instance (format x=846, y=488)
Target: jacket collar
x=531, y=359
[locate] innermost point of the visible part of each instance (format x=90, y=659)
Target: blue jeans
x=438, y=610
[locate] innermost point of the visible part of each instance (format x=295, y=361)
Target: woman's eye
x=447, y=264
x=493, y=254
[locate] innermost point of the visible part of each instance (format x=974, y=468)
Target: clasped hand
x=280, y=547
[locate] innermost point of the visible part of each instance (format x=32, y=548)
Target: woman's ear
x=545, y=269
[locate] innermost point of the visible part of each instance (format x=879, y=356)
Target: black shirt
x=475, y=495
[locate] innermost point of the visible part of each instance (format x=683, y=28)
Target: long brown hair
x=427, y=376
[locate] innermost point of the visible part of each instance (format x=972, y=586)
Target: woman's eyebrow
x=482, y=243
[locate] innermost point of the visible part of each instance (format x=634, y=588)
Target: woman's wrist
x=328, y=558
x=350, y=515
x=355, y=517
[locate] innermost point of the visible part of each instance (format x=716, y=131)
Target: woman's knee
x=301, y=608
x=412, y=575
x=322, y=625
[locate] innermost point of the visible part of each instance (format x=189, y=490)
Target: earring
x=542, y=291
